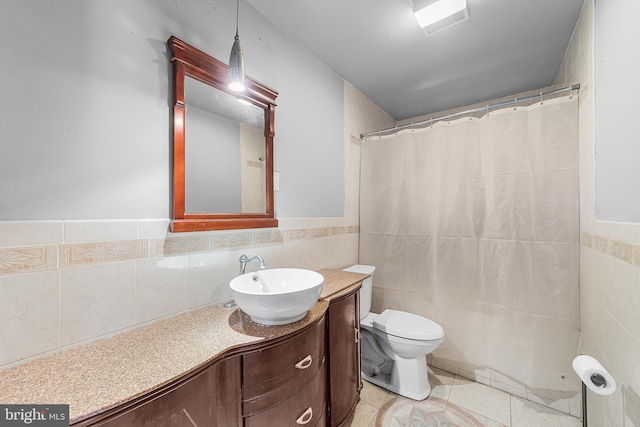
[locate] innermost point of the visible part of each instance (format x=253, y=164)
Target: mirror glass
x=224, y=152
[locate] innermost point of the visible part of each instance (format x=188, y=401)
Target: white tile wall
x=97, y=300
x=29, y=315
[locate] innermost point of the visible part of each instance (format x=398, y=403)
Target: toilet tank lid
x=407, y=325
x=364, y=269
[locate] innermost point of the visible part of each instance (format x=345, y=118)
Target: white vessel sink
x=277, y=296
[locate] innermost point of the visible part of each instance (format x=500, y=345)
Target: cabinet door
x=344, y=359
x=182, y=406
x=227, y=392
x=210, y=398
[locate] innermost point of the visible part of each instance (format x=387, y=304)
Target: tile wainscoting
x=624, y=251
x=67, y=283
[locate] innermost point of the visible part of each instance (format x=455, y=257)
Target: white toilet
x=395, y=345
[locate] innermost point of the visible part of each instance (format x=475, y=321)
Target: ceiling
x=505, y=47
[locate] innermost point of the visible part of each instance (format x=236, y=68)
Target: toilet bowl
x=395, y=344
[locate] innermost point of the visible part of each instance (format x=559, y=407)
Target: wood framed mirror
x=222, y=146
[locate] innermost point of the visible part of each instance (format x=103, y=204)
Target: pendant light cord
x=237, y=17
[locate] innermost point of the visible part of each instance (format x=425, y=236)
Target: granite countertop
x=106, y=373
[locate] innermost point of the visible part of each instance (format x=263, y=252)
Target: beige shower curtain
x=474, y=224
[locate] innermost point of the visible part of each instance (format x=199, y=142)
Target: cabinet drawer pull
x=357, y=335
x=306, y=417
x=304, y=363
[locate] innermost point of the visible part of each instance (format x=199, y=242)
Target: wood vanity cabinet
x=309, y=377
x=344, y=359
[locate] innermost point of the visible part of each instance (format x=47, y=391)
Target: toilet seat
x=407, y=325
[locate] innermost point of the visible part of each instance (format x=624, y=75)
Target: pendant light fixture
x=236, y=60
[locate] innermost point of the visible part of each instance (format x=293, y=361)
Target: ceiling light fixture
x=236, y=60
x=436, y=15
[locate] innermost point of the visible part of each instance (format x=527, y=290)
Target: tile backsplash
x=65, y=283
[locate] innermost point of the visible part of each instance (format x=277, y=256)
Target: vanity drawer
x=305, y=408
x=275, y=374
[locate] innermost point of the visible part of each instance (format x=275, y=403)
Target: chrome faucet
x=244, y=260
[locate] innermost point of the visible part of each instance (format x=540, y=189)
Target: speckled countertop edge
x=338, y=283
x=104, y=374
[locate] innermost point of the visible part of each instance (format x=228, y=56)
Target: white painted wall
x=86, y=108
x=616, y=131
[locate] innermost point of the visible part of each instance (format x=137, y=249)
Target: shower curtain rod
x=395, y=129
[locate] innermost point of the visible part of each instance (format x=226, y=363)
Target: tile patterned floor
x=454, y=402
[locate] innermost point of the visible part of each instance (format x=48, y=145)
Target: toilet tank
x=367, y=286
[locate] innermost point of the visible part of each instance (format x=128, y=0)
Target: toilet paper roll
x=593, y=375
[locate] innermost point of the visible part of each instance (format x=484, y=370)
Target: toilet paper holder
x=598, y=380
x=594, y=376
